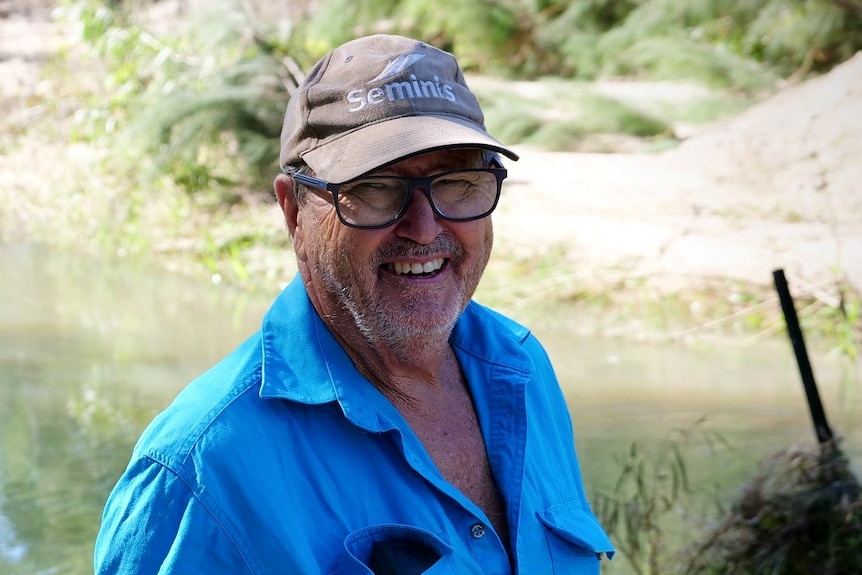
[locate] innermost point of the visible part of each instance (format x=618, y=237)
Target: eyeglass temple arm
x=310, y=181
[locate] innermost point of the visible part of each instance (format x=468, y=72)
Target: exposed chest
x=452, y=437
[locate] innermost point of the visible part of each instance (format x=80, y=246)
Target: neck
x=407, y=373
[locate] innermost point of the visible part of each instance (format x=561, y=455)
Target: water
x=91, y=350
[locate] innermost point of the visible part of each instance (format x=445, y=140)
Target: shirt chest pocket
x=395, y=550
x=576, y=540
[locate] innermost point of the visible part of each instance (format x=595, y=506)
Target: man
x=380, y=421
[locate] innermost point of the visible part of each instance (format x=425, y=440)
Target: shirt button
x=477, y=531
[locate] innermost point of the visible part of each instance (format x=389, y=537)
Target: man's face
x=412, y=278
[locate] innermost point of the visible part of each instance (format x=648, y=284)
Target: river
x=90, y=350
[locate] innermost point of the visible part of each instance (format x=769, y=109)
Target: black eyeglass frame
x=423, y=183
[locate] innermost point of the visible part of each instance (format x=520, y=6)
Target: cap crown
x=342, y=120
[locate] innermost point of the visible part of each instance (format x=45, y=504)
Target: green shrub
x=203, y=104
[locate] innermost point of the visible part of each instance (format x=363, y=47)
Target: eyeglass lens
x=461, y=195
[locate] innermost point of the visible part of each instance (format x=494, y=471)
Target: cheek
x=487, y=244
x=477, y=245
x=316, y=228
x=477, y=238
x=335, y=250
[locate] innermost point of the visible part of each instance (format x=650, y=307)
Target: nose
x=419, y=222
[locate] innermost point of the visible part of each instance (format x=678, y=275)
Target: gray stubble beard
x=380, y=325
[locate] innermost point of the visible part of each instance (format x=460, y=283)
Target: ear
x=284, y=193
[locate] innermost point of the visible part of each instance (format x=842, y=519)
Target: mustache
x=401, y=248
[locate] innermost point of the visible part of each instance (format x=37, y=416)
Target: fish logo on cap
x=396, y=67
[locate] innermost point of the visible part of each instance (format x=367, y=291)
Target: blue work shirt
x=284, y=459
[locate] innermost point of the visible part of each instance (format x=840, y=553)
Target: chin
x=423, y=330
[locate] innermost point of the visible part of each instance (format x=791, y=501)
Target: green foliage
x=837, y=322
x=654, y=485
x=843, y=325
x=130, y=54
x=804, y=33
x=204, y=105
x=493, y=35
x=560, y=115
x=586, y=38
x=850, y=333
x=575, y=30
x=486, y=43
x=338, y=21
x=780, y=36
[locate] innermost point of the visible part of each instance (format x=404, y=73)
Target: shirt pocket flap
x=573, y=523
x=393, y=548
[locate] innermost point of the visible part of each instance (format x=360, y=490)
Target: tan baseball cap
x=377, y=100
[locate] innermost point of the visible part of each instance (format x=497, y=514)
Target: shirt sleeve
x=154, y=524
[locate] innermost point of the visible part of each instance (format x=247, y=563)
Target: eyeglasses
x=380, y=201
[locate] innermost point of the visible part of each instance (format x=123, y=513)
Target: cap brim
x=376, y=145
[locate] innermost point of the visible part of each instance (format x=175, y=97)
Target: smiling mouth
x=415, y=268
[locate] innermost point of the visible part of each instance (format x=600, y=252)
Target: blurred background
x=673, y=155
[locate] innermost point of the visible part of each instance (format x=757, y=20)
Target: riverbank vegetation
x=172, y=114
x=799, y=513
x=203, y=95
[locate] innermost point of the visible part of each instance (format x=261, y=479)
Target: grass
x=537, y=287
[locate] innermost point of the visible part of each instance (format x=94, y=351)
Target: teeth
x=401, y=268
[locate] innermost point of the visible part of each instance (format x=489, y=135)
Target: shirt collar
x=299, y=353
x=303, y=362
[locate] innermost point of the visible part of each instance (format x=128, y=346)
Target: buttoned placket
x=502, y=412
x=473, y=526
